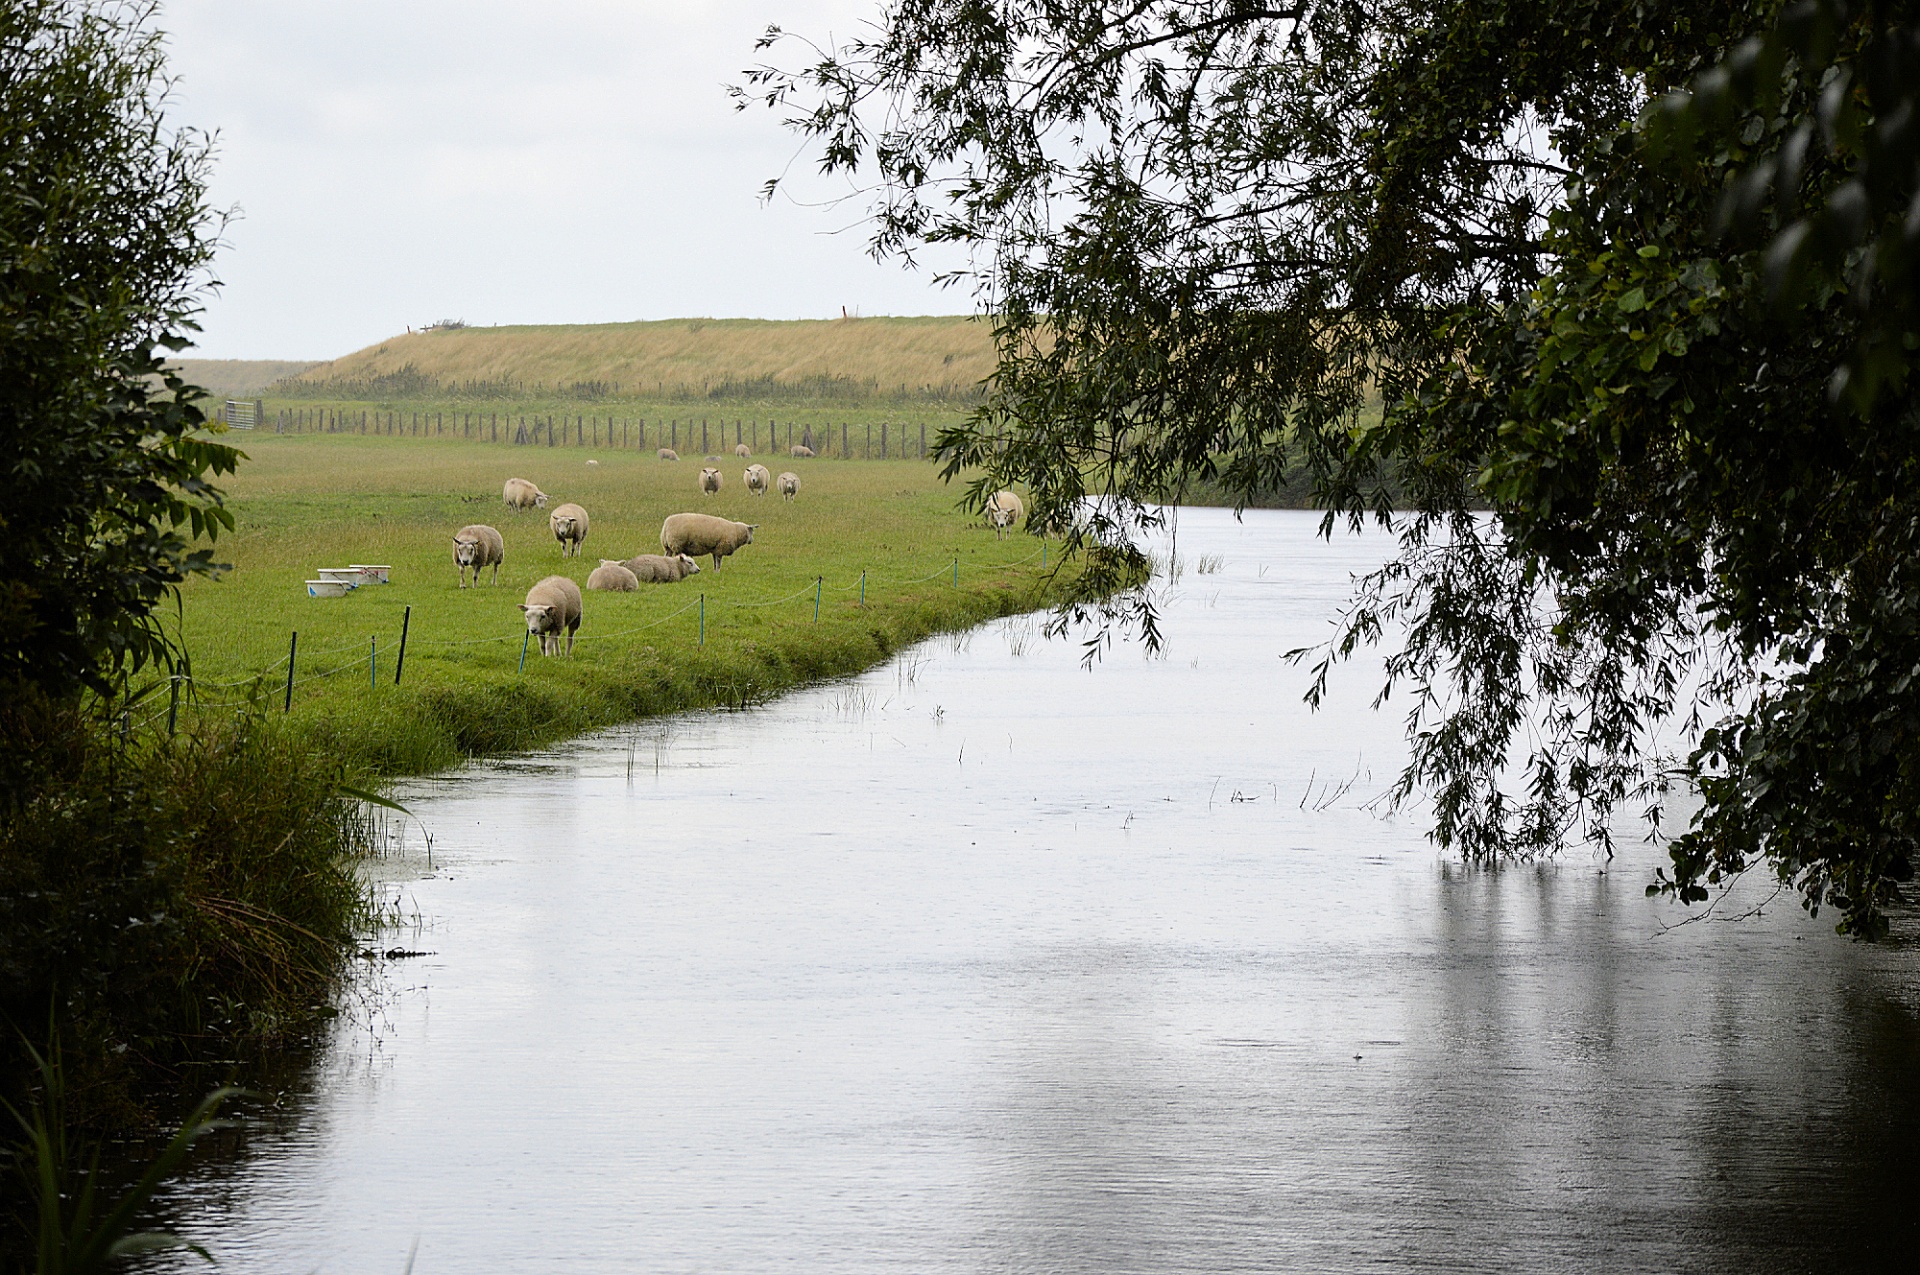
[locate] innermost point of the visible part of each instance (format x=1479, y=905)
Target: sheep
x=789, y=484
x=521, y=494
x=593, y=464
x=742, y=450
x=569, y=523
x=1003, y=510
x=612, y=577
x=801, y=450
x=667, y=453
x=757, y=479
x=696, y=534
x=478, y=546
x=710, y=481
x=652, y=568
x=552, y=608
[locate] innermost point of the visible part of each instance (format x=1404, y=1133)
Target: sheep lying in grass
x=667, y=453
x=758, y=480
x=552, y=608
x=789, y=484
x=742, y=450
x=593, y=464
x=696, y=534
x=1003, y=510
x=478, y=546
x=653, y=568
x=612, y=577
x=710, y=481
x=521, y=494
x=569, y=523
x=801, y=450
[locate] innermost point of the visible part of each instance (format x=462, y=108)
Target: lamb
x=569, y=523
x=478, y=546
x=801, y=450
x=1003, y=510
x=742, y=450
x=789, y=484
x=521, y=494
x=667, y=453
x=612, y=577
x=758, y=479
x=697, y=534
x=652, y=568
x=552, y=608
x=710, y=481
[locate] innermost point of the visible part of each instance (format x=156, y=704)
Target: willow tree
x=1456, y=258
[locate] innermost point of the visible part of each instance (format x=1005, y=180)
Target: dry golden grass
x=238, y=378
x=681, y=354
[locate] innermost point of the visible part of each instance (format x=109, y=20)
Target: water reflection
x=985, y=962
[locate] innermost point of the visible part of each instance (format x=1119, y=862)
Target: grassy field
x=305, y=502
x=666, y=360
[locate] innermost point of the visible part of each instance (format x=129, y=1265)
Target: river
x=989, y=962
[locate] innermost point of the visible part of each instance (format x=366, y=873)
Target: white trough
x=345, y=575
x=371, y=573
x=327, y=588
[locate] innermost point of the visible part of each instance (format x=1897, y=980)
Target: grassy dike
x=306, y=502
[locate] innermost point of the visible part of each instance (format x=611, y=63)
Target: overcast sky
x=570, y=161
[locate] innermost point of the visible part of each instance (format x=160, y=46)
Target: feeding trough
x=327, y=588
x=347, y=576
x=371, y=573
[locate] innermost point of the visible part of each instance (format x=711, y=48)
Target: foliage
x=1214, y=230
x=104, y=230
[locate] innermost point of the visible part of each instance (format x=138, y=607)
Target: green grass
x=305, y=502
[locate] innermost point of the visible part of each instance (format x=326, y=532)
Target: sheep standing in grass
x=552, y=608
x=758, y=479
x=667, y=453
x=478, y=546
x=653, y=568
x=710, y=481
x=1003, y=510
x=521, y=494
x=742, y=450
x=612, y=577
x=789, y=484
x=569, y=523
x=801, y=450
x=697, y=534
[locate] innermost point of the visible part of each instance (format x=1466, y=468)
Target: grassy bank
x=728, y=637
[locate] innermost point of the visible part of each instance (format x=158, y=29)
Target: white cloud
x=575, y=161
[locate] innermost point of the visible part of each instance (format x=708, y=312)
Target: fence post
x=173, y=706
x=524, y=638
x=818, y=583
x=845, y=454
x=406, y=617
x=956, y=571
x=703, y=620
x=863, y=587
x=883, y=440
x=293, y=649
x=373, y=661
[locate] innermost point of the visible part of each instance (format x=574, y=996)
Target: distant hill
x=718, y=358
x=239, y=378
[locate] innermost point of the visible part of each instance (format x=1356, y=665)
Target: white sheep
x=667, y=453
x=710, y=481
x=521, y=494
x=758, y=479
x=696, y=534
x=593, y=464
x=742, y=450
x=789, y=484
x=801, y=450
x=1003, y=510
x=569, y=523
x=478, y=546
x=653, y=568
x=552, y=608
x=612, y=577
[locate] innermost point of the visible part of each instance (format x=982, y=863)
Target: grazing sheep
x=593, y=464
x=697, y=534
x=1003, y=510
x=801, y=450
x=478, y=546
x=552, y=608
x=758, y=479
x=569, y=523
x=667, y=453
x=710, y=481
x=612, y=577
x=742, y=450
x=653, y=568
x=521, y=494
x=789, y=484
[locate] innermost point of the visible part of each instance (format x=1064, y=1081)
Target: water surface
x=988, y=962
